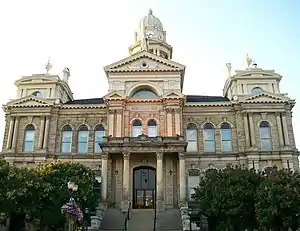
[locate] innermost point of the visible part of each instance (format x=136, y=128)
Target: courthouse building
x=148, y=141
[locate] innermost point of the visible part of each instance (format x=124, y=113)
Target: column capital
x=104, y=156
x=159, y=155
x=126, y=155
x=181, y=156
x=277, y=114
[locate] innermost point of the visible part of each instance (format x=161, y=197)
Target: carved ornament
x=126, y=155
x=159, y=155
x=181, y=156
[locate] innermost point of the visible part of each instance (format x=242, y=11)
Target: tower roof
x=150, y=22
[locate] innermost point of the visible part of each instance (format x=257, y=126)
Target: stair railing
x=154, y=219
x=127, y=218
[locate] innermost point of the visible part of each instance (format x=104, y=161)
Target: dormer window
x=256, y=90
x=37, y=94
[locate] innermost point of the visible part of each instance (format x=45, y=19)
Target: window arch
x=191, y=136
x=209, y=137
x=193, y=180
x=99, y=133
x=256, y=90
x=265, y=135
x=37, y=93
x=226, y=137
x=144, y=93
x=29, y=138
x=136, y=129
x=152, y=128
x=83, y=137
x=66, y=141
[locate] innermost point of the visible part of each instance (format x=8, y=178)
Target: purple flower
x=73, y=210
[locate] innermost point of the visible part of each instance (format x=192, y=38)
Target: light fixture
x=70, y=185
x=170, y=172
x=75, y=187
x=193, y=166
x=116, y=172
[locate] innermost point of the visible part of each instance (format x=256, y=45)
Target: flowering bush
x=72, y=210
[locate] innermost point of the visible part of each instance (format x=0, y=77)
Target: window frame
x=228, y=129
x=30, y=128
x=193, y=147
x=206, y=141
x=134, y=128
x=98, y=128
x=150, y=127
x=263, y=125
x=83, y=129
x=67, y=129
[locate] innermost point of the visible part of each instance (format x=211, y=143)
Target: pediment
x=173, y=95
x=29, y=101
x=264, y=97
x=114, y=95
x=37, y=78
x=142, y=62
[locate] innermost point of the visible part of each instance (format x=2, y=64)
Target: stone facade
x=147, y=122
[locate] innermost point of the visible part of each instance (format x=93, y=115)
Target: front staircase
x=141, y=220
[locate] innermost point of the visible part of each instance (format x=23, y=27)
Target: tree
x=278, y=201
x=227, y=198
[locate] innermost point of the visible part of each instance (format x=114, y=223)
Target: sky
x=86, y=35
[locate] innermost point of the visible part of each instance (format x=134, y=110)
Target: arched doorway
x=144, y=187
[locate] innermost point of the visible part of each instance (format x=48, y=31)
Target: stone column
x=119, y=124
x=285, y=130
x=111, y=124
x=16, y=131
x=126, y=181
x=252, y=130
x=104, y=177
x=247, y=138
x=279, y=128
x=46, y=134
x=160, y=206
x=10, y=132
x=177, y=122
x=42, y=131
x=169, y=123
x=182, y=179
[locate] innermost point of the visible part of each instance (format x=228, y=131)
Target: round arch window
x=256, y=90
x=144, y=93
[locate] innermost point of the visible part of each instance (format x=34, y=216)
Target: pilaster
x=126, y=181
x=104, y=177
x=182, y=178
x=160, y=204
x=10, y=132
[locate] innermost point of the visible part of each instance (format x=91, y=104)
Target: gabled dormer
x=250, y=81
x=47, y=86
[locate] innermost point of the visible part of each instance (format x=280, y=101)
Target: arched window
x=83, y=137
x=29, y=138
x=226, y=137
x=265, y=135
x=209, y=137
x=193, y=181
x=37, y=93
x=136, y=129
x=66, y=140
x=191, y=137
x=99, y=133
x=256, y=90
x=144, y=93
x=152, y=128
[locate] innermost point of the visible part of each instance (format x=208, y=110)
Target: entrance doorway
x=144, y=187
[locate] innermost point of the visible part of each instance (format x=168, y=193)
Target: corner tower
x=151, y=37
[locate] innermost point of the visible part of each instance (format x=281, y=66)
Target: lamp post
x=72, y=187
x=86, y=219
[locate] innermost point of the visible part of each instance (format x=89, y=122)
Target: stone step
x=113, y=219
x=170, y=220
x=141, y=220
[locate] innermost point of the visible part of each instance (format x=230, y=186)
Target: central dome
x=151, y=22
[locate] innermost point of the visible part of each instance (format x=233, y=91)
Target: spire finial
x=150, y=12
x=48, y=66
x=248, y=60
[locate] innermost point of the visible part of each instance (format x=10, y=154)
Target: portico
x=144, y=190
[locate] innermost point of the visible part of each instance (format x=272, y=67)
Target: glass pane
x=193, y=181
x=29, y=135
x=144, y=94
x=66, y=147
x=152, y=131
x=137, y=179
x=265, y=144
x=209, y=134
x=28, y=146
x=192, y=146
x=136, y=131
x=152, y=179
x=97, y=148
x=191, y=135
x=226, y=146
x=66, y=136
x=83, y=136
x=264, y=133
x=82, y=147
x=145, y=178
x=209, y=146
x=99, y=135
x=226, y=134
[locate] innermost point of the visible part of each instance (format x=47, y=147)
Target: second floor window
x=136, y=129
x=265, y=135
x=99, y=133
x=66, y=140
x=191, y=137
x=83, y=137
x=29, y=138
x=209, y=137
x=226, y=137
x=152, y=128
